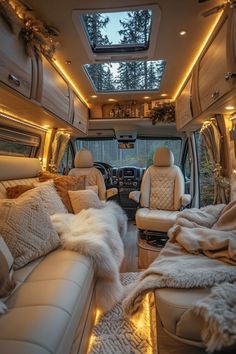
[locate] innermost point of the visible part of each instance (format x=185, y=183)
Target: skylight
x=126, y=76
x=126, y=31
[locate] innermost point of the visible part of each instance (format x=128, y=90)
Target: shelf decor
x=163, y=113
x=38, y=36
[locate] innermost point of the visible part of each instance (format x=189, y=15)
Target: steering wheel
x=104, y=168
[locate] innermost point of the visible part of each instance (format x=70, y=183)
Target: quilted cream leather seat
x=162, y=193
x=84, y=166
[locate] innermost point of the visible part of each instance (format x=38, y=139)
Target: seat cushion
x=155, y=220
x=175, y=310
x=50, y=301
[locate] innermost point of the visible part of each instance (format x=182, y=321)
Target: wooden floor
x=130, y=263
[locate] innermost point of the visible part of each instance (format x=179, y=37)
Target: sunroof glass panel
x=126, y=76
x=127, y=30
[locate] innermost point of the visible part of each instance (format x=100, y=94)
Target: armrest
x=185, y=200
x=135, y=196
x=111, y=192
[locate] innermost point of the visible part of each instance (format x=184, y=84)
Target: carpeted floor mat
x=115, y=334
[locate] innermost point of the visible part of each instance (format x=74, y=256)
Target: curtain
x=213, y=140
x=59, y=145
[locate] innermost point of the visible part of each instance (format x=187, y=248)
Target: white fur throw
x=97, y=234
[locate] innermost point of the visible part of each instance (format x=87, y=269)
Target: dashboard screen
x=128, y=173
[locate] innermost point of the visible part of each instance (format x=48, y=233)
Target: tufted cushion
x=64, y=184
x=26, y=228
x=84, y=199
x=83, y=159
x=162, y=192
x=163, y=157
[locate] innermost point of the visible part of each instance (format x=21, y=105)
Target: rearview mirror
x=126, y=145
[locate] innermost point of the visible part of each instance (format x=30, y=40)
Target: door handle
x=14, y=80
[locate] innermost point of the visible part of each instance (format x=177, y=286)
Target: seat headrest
x=163, y=157
x=83, y=159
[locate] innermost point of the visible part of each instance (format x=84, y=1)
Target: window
x=17, y=143
x=126, y=76
x=206, y=174
x=118, y=31
x=67, y=161
x=141, y=155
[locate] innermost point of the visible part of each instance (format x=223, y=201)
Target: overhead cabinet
x=15, y=65
x=184, y=113
x=55, y=92
x=81, y=115
x=216, y=68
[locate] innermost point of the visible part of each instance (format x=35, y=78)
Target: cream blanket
x=189, y=259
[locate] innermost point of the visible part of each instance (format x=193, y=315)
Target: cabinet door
x=214, y=66
x=55, y=92
x=15, y=65
x=80, y=115
x=183, y=106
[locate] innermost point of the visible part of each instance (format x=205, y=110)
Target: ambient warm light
x=92, y=337
x=183, y=32
x=11, y=116
x=195, y=58
x=60, y=68
x=229, y=108
x=111, y=100
x=164, y=95
x=94, y=96
x=146, y=97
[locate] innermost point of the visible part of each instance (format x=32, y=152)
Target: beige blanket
x=211, y=231
x=198, y=254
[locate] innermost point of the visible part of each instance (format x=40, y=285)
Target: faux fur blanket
x=97, y=233
x=183, y=262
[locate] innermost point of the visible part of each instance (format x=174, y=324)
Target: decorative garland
x=163, y=113
x=38, y=36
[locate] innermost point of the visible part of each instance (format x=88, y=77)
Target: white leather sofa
x=52, y=309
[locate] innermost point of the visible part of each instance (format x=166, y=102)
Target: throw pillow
x=84, y=199
x=16, y=191
x=50, y=198
x=26, y=228
x=46, y=175
x=6, y=262
x=93, y=188
x=64, y=184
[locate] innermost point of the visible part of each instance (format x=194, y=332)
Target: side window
x=206, y=173
x=67, y=161
x=18, y=143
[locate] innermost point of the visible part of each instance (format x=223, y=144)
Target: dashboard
x=127, y=178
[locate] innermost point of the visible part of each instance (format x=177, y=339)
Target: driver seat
x=83, y=163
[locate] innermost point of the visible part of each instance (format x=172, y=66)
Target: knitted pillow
x=64, y=184
x=26, y=228
x=84, y=199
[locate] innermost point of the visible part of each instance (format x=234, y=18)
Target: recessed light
x=183, y=32
x=146, y=97
x=164, y=95
x=111, y=100
x=68, y=62
x=94, y=96
x=229, y=108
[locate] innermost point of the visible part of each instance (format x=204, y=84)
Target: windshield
x=140, y=156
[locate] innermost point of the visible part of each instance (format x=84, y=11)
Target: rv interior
x=117, y=176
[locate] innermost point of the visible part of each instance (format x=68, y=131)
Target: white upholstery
x=47, y=309
x=175, y=311
x=162, y=190
x=84, y=166
x=52, y=308
x=13, y=167
x=155, y=220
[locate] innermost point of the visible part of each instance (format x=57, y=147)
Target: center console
x=127, y=179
